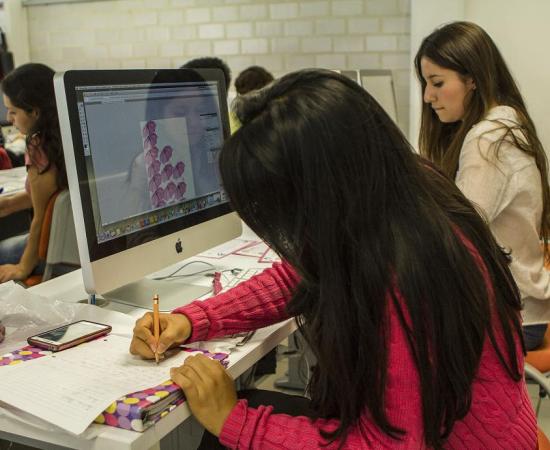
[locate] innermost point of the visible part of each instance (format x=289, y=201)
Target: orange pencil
x=156, y=322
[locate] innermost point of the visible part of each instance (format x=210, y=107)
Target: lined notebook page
x=72, y=387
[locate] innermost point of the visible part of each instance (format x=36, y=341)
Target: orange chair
x=542, y=440
x=57, y=245
x=44, y=239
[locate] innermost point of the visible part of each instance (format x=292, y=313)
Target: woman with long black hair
x=397, y=284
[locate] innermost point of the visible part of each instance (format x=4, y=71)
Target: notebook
x=139, y=410
x=69, y=392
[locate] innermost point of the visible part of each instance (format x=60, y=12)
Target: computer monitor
x=141, y=149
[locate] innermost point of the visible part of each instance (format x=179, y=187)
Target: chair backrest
x=44, y=241
x=542, y=440
x=62, y=247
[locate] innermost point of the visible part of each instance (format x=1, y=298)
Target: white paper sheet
x=227, y=248
x=270, y=256
x=71, y=388
x=256, y=250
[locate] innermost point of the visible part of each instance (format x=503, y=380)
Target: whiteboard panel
x=379, y=84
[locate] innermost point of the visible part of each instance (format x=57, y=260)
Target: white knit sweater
x=507, y=189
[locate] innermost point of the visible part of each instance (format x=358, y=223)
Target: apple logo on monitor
x=179, y=247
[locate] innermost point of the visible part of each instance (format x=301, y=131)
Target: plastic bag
x=24, y=314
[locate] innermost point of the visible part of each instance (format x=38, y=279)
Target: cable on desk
x=173, y=274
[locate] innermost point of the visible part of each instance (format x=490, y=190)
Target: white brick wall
x=347, y=7
x=211, y=31
x=225, y=14
x=298, y=28
x=349, y=44
x=227, y=47
x=268, y=29
x=256, y=46
x=239, y=30
x=287, y=45
x=314, y=9
x=330, y=26
x=198, y=15
x=283, y=10
x=330, y=61
x=381, y=43
x=281, y=35
x=316, y=45
x=253, y=12
x=364, y=25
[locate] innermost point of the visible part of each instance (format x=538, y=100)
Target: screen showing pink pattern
x=151, y=153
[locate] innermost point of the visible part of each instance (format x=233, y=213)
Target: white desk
x=70, y=288
x=13, y=180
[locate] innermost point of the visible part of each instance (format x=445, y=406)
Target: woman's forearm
x=13, y=203
x=30, y=257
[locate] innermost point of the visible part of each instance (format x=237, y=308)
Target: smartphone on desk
x=69, y=335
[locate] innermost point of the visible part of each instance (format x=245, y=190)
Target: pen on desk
x=156, y=323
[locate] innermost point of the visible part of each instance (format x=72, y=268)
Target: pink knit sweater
x=500, y=417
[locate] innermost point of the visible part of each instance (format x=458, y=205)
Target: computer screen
x=141, y=149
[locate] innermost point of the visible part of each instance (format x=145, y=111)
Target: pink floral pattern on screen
x=162, y=171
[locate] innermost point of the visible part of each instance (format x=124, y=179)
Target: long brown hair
x=468, y=50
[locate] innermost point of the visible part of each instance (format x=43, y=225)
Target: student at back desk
x=28, y=94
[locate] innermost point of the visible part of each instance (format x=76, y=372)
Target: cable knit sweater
x=500, y=417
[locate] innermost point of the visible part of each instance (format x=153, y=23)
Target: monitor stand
x=172, y=293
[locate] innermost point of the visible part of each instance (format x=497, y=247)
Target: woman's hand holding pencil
x=174, y=330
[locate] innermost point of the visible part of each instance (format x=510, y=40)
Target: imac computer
x=141, y=149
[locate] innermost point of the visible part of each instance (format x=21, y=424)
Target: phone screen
x=70, y=332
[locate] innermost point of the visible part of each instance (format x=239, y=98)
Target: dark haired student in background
x=249, y=80
x=210, y=62
x=252, y=79
x=475, y=126
x=396, y=282
x=28, y=94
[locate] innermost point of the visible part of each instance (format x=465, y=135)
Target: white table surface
x=13, y=180
x=70, y=288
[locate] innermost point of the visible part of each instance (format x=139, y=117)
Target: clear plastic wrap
x=24, y=314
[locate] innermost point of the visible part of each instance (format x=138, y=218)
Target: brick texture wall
x=280, y=35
